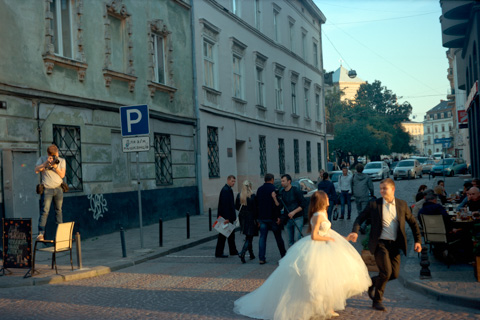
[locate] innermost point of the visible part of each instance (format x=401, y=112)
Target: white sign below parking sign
x=136, y=144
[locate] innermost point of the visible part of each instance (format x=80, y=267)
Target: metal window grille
x=281, y=155
x=163, y=160
x=296, y=156
x=213, y=158
x=319, y=156
x=263, y=155
x=67, y=139
x=309, y=157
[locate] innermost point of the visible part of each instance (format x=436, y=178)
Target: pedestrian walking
x=247, y=215
x=328, y=187
x=293, y=201
x=268, y=208
x=388, y=216
x=226, y=210
x=345, y=185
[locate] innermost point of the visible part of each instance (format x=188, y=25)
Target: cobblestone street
x=192, y=284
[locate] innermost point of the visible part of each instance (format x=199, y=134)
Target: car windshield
x=422, y=160
x=372, y=165
x=445, y=162
x=306, y=185
x=405, y=164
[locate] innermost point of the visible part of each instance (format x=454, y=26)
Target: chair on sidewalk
x=434, y=232
x=62, y=242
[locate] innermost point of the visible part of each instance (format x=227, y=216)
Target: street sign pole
x=139, y=203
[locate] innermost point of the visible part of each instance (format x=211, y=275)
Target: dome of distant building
x=348, y=85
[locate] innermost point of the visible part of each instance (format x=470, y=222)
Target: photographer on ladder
x=52, y=170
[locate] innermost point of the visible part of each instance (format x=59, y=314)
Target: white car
x=408, y=169
x=377, y=170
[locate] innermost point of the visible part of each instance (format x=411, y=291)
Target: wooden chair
x=434, y=232
x=62, y=242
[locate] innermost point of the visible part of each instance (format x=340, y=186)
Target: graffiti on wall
x=98, y=205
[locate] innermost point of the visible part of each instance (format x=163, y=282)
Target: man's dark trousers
x=266, y=225
x=387, y=257
x=221, y=244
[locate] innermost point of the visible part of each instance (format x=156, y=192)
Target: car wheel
x=452, y=173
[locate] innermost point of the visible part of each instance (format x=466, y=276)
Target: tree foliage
x=369, y=125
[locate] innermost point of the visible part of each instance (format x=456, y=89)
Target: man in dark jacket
x=327, y=186
x=269, y=217
x=293, y=201
x=226, y=210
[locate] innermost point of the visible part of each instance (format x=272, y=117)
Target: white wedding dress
x=313, y=279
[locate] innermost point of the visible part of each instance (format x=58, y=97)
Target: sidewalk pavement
x=103, y=254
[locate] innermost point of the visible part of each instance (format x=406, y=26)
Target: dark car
x=449, y=166
x=392, y=166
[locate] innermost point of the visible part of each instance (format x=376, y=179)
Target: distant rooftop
x=442, y=106
x=341, y=75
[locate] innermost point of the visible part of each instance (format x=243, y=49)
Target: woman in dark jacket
x=247, y=216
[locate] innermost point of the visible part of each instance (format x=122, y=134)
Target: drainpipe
x=198, y=162
x=39, y=127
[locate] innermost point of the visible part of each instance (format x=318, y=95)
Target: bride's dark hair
x=318, y=202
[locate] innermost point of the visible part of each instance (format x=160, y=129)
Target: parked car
x=449, y=166
x=307, y=186
x=377, y=170
x=438, y=156
x=392, y=166
x=408, y=169
x=361, y=160
x=422, y=160
x=427, y=166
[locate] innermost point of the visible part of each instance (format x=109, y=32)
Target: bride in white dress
x=315, y=278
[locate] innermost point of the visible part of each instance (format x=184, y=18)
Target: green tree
x=371, y=124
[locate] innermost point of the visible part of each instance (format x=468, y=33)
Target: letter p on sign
x=134, y=120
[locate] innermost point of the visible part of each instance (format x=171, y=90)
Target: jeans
x=293, y=231
x=345, y=197
x=266, y=225
x=48, y=195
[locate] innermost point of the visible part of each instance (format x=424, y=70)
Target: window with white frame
x=118, y=44
x=278, y=93
x=294, y=97
x=62, y=26
x=275, y=25
x=159, y=58
x=315, y=54
x=306, y=94
x=237, y=77
x=291, y=36
x=260, y=86
x=258, y=15
x=304, y=46
x=236, y=7
x=209, y=63
x=317, y=107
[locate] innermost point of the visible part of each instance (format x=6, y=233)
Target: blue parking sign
x=134, y=120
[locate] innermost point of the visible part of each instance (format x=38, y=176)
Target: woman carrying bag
x=247, y=216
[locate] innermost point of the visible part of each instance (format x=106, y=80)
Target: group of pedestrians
x=260, y=213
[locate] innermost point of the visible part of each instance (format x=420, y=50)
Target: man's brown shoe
x=378, y=306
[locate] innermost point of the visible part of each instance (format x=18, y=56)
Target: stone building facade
x=438, y=124
x=259, y=78
x=66, y=66
x=415, y=129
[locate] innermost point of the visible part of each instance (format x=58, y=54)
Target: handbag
x=64, y=187
x=40, y=188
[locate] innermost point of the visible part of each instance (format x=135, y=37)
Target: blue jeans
x=345, y=197
x=266, y=225
x=293, y=232
x=48, y=195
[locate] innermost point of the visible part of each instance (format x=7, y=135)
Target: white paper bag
x=224, y=228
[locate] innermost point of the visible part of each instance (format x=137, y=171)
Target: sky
x=398, y=42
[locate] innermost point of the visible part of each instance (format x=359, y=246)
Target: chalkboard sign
x=17, y=243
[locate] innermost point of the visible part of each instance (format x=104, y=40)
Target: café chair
x=434, y=232
x=63, y=242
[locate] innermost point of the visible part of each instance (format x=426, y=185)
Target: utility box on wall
x=19, y=182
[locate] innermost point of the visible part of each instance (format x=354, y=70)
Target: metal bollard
x=160, y=232
x=79, y=250
x=122, y=239
x=188, y=225
x=209, y=219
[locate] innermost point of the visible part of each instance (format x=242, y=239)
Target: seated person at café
x=431, y=207
x=420, y=195
x=419, y=204
x=463, y=198
x=440, y=191
x=463, y=248
x=473, y=202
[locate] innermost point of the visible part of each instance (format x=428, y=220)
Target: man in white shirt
x=387, y=237
x=345, y=185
